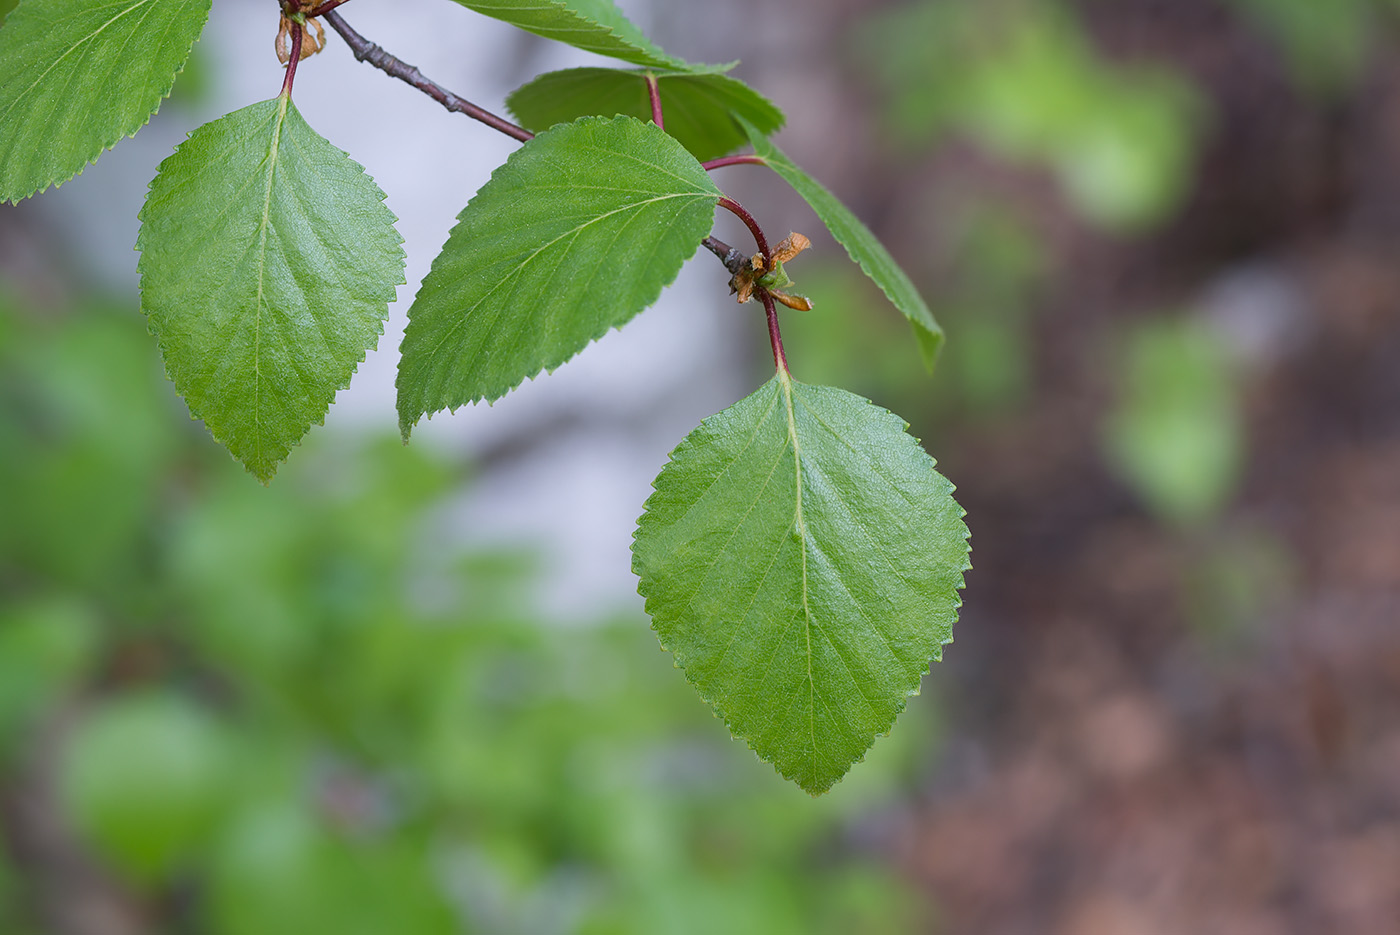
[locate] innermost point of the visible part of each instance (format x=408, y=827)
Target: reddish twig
x=733, y=207
x=654, y=92
x=749, y=160
x=325, y=8
x=298, y=31
x=775, y=337
x=367, y=51
x=735, y=262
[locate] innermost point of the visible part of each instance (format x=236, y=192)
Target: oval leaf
x=75, y=78
x=802, y=559
x=575, y=234
x=592, y=25
x=268, y=261
x=699, y=105
x=860, y=244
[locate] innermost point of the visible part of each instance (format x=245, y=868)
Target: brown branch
x=732, y=257
x=367, y=51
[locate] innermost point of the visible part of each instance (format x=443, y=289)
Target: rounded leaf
x=802, y=558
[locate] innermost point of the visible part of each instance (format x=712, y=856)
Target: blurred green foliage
x=1020, y=78
x=994, y=264
x=305, y=711
x=1176, y=434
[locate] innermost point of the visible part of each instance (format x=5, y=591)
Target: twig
x=325, y=8
x=367, y=51
x=298, y=31
x=733, y=207
x=748, y=160
x=654, y=92
x=732, y=257
x=775, y=337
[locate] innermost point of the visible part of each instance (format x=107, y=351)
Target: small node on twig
x=769, y=275
x=313, y=33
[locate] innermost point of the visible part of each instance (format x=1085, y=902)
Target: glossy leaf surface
x=592, y=25
x=75, y=78
x=801, y=558
x=268, y=260
x=864, y=248
x=577, y=233
x=697, y=104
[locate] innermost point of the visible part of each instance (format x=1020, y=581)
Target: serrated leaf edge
x=195, y=416
x=671, y=60
x=109, y=146
x=495, y=393
x=924, y=331
x=679, y=657
x=661, y=74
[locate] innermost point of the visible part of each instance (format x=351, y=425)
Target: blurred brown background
x=1171, y=229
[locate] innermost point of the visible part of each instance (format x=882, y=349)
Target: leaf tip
x=264, y=475
x=931, y=341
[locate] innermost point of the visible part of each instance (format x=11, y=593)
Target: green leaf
x=575, y=234
x=268, y=261
x=802, y=559
x=592, y=25
x=698, y=104
x=77, y=77
x=862, y=245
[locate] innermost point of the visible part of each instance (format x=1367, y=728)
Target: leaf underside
x=268, y=260
x=577, y=233
x=592, y=25
x=862, y=246
x=801, y=558
x=76, y=78
x=698, y=104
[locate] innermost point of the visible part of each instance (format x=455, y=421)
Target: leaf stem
x=722, y=250
x=733, y=207
x=775, y=336
x=746, y=160
x=297, y=32
x=654, y=92
x=366, y=51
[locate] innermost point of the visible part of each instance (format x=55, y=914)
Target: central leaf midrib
x=263, y=225
x=511, y=277
x=800, y=525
